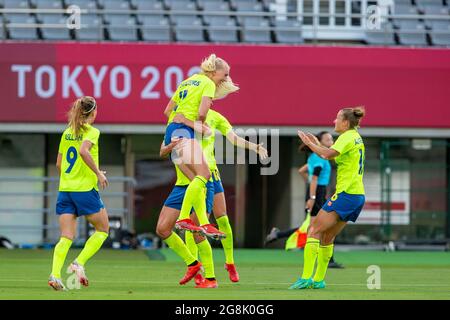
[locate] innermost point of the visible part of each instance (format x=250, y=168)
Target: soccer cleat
x=198, y=278
x=272, y=236
x=302, y=284
x=319, y=285
x=56, y=283
x=210, y=231
x=188, y=224
x=191, y=272
x=233, y=274
x=207, y=284
x=80, y=273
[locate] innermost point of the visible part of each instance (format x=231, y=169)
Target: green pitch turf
x=265, y=274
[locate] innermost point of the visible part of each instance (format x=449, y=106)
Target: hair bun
x=209, y=64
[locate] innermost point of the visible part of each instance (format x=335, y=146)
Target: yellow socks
x=195, y=197
x=190, y=243
x=59, y=255
x=324, y=256
x=93, y=244
x=206, y=256
x=310, y=256
x=227, y=243
x=176, y=244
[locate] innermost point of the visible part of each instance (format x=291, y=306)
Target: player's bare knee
x=163, y=232
x=69, y=236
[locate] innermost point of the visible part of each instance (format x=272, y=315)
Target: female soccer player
x=193, y=99
x=316, y=172
x=79, y=171
x=215, y=199
x=345, y=205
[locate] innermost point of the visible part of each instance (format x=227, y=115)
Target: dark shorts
x=178, y=130
x=176, y=197
x=347, y=206
x=79, y=203
x=321, y=198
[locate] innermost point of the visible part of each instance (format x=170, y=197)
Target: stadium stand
x=408, y=22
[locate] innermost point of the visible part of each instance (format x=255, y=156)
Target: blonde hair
x=212, y=64
x=353, y=115
x=80, y=112
x=225, y=88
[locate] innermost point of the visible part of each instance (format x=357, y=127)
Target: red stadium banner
x=280, y=85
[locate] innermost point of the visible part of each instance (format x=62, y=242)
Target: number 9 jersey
x=75, y=173
x=350, y=162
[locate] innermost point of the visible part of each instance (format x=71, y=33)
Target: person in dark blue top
x=317, y=173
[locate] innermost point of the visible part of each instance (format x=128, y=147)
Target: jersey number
x=71, y=158
x=182, y=94
x=361, y=161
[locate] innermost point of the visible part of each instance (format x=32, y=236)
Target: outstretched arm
x=242, y=143
x=303, y=171
x=311, y=141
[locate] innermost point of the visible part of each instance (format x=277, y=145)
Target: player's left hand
x=262, y=152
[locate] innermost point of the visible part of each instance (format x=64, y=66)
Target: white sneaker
x=56, y=283
x=79, y=271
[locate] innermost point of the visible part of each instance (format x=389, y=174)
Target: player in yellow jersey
x=215, y=199
x=193, y=99
x=78, y=166
x=345, y=205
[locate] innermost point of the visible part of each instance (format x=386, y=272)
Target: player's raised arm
x=245, y=144
x=311, y=142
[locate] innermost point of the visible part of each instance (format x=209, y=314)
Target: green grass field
x=265, y=274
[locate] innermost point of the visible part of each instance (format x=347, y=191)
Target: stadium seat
x=404, y=9
x=155, y=28
x=83, y=4
x=256, y=30
x=12, y=4
x=18, y=33
x=423, y=3
x=147, y=4
x=122, y=28
x=440, y=39
x=384, y=36
x=288, y=31
x=114, y=4
x=412, y=34
x=189, y=29
x=185, y=5
x=47, y=4
x=50, y=33
x=215, y=6
x=436, y=24
x=244, y=8
x=223, y=29
x=91, y=28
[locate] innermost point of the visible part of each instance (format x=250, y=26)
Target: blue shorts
x=79, y=203
x=175, y=198
x=178, y=130
x=347, y=206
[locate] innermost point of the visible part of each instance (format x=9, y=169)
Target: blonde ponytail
x=225, y=88
x=79, y=113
